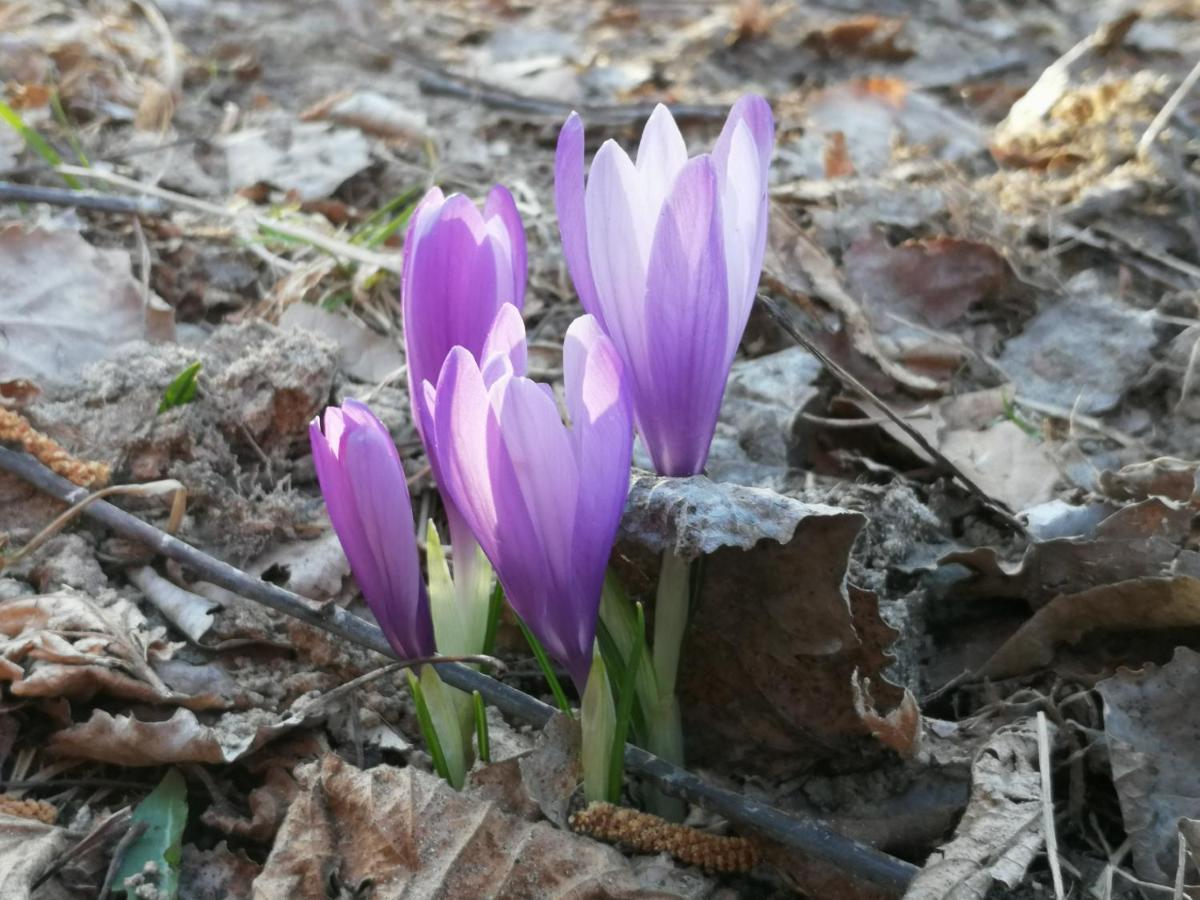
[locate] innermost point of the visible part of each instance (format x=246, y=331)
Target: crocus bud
x=666, y=254
x=460, y=267
x=366, y=493
x=543, y=500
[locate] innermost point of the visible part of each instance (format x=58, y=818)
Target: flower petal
x=687, y=322
x=504, y=352
x=500, y=211
x=602, y=438
x=661, y=155
x=619, y=235
x=755, y=112
x=569, y=204
x=450, y=296
x=462, y=412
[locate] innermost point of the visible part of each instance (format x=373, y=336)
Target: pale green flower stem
x=664, y=727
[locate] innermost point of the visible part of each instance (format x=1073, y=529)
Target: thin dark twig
x=435, y=81
x=807, y=835
x=135, y=831
x=28, y=193
x=939, y=459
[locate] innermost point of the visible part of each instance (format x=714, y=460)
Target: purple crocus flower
x=460, y=267
x=543, y=500
x=666, y=254
x=367, y=496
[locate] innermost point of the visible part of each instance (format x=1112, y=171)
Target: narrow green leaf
x=495, y=604
x=618, y=632
x=626, y=692
x=481, y=728
x=543, y=661
x=375, y=229
x=181, y=390
x=164, y=813
x=599, y=720
x=425, y=721
x=36, y=142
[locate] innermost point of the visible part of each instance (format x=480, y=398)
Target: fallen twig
x=28, y=193
x=809, y=836
x=939, y=459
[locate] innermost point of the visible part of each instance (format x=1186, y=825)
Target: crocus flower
x=666, y=254
x=367, y=496
x=460, y=266
x=543, y=500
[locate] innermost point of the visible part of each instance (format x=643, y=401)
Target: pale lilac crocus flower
x=666, y=254
x=460, y=266
x=543, y=500
x=366, y=493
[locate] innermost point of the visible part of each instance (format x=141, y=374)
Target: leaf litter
x=973, y=211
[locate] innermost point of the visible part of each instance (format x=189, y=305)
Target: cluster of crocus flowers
x=665, y=254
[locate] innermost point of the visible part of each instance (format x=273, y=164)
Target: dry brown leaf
x=1165, y=477
x=313, y=569
x=931, y=282
x=803, y=271
x=1150, y=725
x=1143, y=604
x=66, y=645
x=876, y=114
x=1001, y=831
x=776, y=634
x=268, y=802
x=124, y=740
x=364, y=354
x=867, y=37
x=27, y=850
x=410, y=835
x=1083, y=351
x=310, y=158
x=65, y=303
x=1143, y=539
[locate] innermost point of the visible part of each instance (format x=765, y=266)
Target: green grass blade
x=36, y=142
x=495, y=604
x=626, y=692
x=543, y=661
x=425, y=721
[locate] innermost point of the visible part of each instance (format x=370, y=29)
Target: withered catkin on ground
x=28, y=809
x=647, y=833
x=15, y=429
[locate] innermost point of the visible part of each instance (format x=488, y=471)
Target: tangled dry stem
x=646, y=833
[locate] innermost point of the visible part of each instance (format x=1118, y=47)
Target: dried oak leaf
x=776, y=634
x=124, y=740
x=1165, y=477
x=1150, y=723
x=408, y=834
x=1142, y=539
x=1000, y=833
x=1142, y=604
